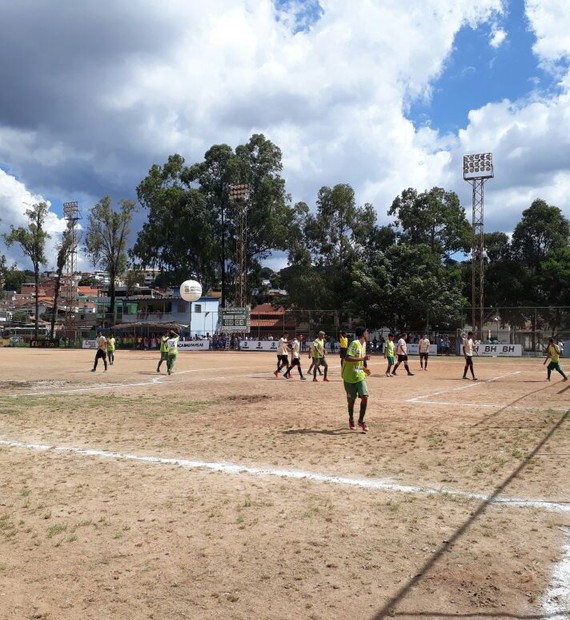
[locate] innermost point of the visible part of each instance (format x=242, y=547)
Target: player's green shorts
x=554, y=366
x=355, y=389
x=390, y=359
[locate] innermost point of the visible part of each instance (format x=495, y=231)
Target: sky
x=380, y=94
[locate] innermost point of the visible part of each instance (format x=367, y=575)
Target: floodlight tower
x=71, y=216
x=240, y=196
x=476, y=170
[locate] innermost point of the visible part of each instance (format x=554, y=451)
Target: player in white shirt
x=423, y=348
x=468, y=350
x=402, y=354
x=295, y=358
x=282, y=353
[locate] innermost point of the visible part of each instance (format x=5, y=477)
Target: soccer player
x=354, y=378
x=172, y=344
x=163, y=350
x=402, y=353
x=282, y=353
x=424, y=351
x=295, y=358
x=389, y=349
x=468, y=351
x=343, y=347
x=553, y=354
x=111, y=345
x=319, y=356
x=101, y=351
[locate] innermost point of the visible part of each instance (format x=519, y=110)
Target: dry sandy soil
x=222, y=492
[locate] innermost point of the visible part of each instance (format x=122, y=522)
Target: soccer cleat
x=303, y=378
x=410, y=374
x=276, y=373
x=93, y=370
x=315, y=380
x=325, y=379
x=351, y=424
x=394, y=374
x=363, y=427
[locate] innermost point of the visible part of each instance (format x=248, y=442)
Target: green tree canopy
x=106, y=238
x=434, y=218
x=32, y=241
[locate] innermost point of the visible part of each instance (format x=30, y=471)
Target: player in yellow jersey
x=343, y=346
x=553, y=354
x=389, y=353
x=354, y=377
x=163, y=350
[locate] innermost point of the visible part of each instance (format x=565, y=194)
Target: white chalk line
x=234, y=468
x=555, y=600
x=155, y=380
x=471, y=385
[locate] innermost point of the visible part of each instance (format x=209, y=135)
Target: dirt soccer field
x=223, y=492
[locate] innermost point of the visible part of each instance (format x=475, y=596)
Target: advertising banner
x=194, y=345
x=498, y=350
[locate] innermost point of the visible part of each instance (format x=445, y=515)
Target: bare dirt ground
x=222, y=492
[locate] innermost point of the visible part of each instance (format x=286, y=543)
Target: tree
x=435, y=219
x=324, y=248
x=269, y=216
x=32, y=241
x=407, y=288
x=106, y=239
x=542, y=228
x=200, y=194
x=65, y=247
x=178, y=235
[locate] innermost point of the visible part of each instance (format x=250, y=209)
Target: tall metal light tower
x=71, y=215
x=240, y=196
x=476, y=170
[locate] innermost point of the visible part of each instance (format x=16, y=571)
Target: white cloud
x=550, y=21
x=15, y=199
x=93, y=107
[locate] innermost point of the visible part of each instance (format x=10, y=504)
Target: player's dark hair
x=359, y=331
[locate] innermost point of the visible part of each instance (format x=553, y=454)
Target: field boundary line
x=376, y=484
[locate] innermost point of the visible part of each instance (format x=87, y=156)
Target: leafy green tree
x=542, y=228
x=434, y=218
x=177, y=237
x=106, y=238
x=65, y=247
x=32, y=241
x=269, y=215
x=324, y=248
x=407, y=288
